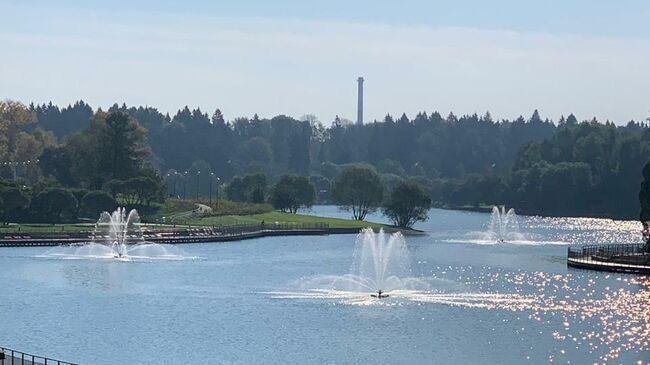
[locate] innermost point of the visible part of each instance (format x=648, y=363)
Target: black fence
x=241, y=229
x=172, y=235
x=13, y=357
x=248, y=228
x=609, y=252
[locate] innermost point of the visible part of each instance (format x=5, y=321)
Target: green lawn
x=223, y=220
x=280, y=217
x=45, y=228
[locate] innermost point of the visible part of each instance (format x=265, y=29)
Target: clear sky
x=296, y=57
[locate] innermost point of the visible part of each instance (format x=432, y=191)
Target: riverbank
x=200, y=229
x=273, y=217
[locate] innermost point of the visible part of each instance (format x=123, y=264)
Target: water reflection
x=582, y=313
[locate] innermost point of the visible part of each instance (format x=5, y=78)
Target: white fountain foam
x=466, y=299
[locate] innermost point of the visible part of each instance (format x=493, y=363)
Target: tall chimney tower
x=360, y=101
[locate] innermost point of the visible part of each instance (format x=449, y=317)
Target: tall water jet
x=381, y=263
x=504, y=226
x=117, y=230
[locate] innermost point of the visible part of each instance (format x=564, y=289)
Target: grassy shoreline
x=279, y=217
x=220, y=220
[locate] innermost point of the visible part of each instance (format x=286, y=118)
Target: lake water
x=255, y=302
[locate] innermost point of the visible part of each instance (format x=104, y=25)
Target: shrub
x=96, y=202
x=55, y=205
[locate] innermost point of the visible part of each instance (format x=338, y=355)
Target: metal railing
x=178, y=226
x=178, y=234
x=13, y=357
x=608, y=252
x=242, y=229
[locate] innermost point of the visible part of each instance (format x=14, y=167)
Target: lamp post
x=15, y=170
x=175, y=181
x=184, y=185
x=197, y=185
x=216, y=195
x=25, y=163
x=211, y=177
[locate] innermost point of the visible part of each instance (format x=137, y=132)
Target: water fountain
x=380, y=262
x=504, y=226
x=117, y=230
x=118, y=236
x=380, y=269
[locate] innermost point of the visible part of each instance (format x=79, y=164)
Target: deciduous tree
x=358, y=189
x=408, y=204
x=292, y=192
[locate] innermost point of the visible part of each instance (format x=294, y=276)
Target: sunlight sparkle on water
x=617, y=320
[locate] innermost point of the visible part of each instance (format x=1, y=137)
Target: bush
x=250, y=188
x=54, y=205
x=96, y=202
x=14, y=203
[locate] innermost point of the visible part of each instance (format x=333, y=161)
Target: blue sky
x=299, y=57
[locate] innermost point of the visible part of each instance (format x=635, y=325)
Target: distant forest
x=566, y=167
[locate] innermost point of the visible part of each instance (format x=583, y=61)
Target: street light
x=184, y=185
x=175, y=181
x=14, y=166
x=197, y=184
x=216, y=195
x=211, y=177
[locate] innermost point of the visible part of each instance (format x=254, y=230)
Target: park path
x=201, y=210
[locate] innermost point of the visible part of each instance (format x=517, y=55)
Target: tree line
x=536, y=165
x=583, y=169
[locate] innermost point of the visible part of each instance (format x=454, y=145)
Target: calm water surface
x=487, y=303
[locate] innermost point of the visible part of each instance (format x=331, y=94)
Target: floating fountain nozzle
x=380, y=294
